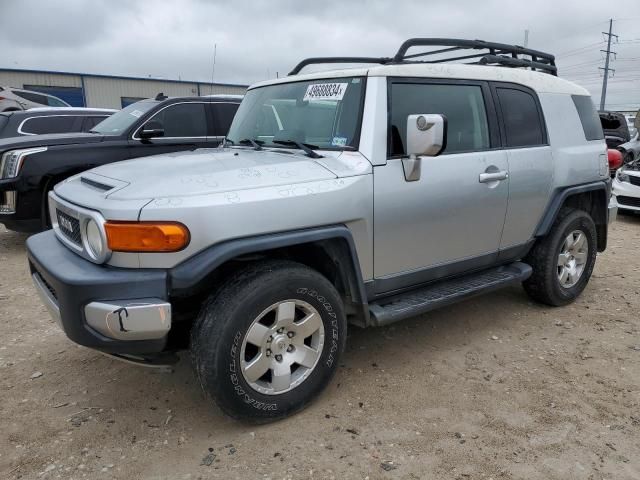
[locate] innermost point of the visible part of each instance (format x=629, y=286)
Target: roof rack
x=484, y=53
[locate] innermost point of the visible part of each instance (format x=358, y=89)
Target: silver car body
x=230, y=193
x=400, y=231
x=15, y=99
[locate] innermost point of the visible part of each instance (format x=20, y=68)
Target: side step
x=435, y=295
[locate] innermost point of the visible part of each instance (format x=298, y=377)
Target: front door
x=451, y=219
x=186, y=126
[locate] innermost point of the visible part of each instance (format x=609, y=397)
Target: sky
x=257, y=40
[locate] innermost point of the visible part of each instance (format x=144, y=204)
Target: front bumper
x=118, y=311
x=627, y=195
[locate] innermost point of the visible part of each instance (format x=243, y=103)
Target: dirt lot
x=496, y=387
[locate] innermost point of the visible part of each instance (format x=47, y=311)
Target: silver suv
x=358, y=196
x=13, y=99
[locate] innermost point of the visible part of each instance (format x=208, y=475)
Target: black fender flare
x=600, y=213
x=188, y=274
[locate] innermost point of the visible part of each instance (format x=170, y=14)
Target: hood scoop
x=95, y=184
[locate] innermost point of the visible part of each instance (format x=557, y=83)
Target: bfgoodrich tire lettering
x=544, y=285
x=223, y=324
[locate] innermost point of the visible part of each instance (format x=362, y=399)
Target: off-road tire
x=544, y=285
x=225, y=318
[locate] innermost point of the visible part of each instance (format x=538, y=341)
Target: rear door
x=524, y=136
x=185, y=127
x=451, y=219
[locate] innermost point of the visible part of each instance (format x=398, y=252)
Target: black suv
x=40, y=121
x=30, y=166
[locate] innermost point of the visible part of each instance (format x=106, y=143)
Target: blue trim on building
x=118, y=77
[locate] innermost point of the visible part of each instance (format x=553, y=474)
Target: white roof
x=538, y=81
x=65, y=109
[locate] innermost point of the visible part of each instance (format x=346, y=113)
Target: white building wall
x=20, y=79
x=106, y=92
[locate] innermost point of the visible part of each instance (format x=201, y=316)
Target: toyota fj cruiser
x=361, y=195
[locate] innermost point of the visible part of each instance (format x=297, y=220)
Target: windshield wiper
x=306, y=147
x=257, y=144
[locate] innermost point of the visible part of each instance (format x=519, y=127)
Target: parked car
x=361, y=195
x=31, y=166
x=12, y=99
x=626, y=187
x=616, y=130
x=631, y=150
x=39, y=121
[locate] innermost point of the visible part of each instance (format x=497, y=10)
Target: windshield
x=323, y=114
x=119, y=122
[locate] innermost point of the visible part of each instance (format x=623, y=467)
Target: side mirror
x=151, y=130
x=426, y=136
x=636, y=122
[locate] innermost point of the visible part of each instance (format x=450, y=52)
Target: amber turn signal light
x=146, y=236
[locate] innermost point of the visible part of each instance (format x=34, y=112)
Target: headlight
x=94, y=239
x=621, y=176
x=12, y=161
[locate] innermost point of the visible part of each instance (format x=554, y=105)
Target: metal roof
x=120, y=77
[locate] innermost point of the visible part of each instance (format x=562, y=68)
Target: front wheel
x=563, y=261
x=268, y=342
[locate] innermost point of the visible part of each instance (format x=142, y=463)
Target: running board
x=445, y=292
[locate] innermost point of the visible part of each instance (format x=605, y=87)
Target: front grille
x=629, y=201
x=46, y=284
x=634, y=180
x=69, y=226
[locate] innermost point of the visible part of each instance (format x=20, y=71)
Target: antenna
x=213, y=67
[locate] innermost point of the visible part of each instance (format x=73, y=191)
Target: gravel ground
x=496, y=387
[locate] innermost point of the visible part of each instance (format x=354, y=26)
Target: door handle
x=493, y=176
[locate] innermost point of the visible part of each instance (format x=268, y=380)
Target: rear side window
x=42, y=125
x=32, y=97
x=588, y=117
x=223, y=113
x=522, y=120
x=462, y=105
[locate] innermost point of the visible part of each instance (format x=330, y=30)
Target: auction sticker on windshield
x=325, y=91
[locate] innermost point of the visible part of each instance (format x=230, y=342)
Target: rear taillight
x=615, y=159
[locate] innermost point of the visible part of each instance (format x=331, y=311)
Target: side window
x=223, y=114
x=32, y=97
x=589, y=117
x=42, y=125
x=90, y=122
x=183, y=120
x=462, y=105
x=521, y=117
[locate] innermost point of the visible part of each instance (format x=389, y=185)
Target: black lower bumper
x=74, y=282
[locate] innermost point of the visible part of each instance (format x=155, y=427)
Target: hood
x=28, y=141
x=208, y=171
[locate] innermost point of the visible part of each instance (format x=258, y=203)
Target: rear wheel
x=563, y=261
x=268, y=342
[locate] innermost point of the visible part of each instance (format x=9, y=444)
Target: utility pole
x=526, y=38
x=608, y=52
